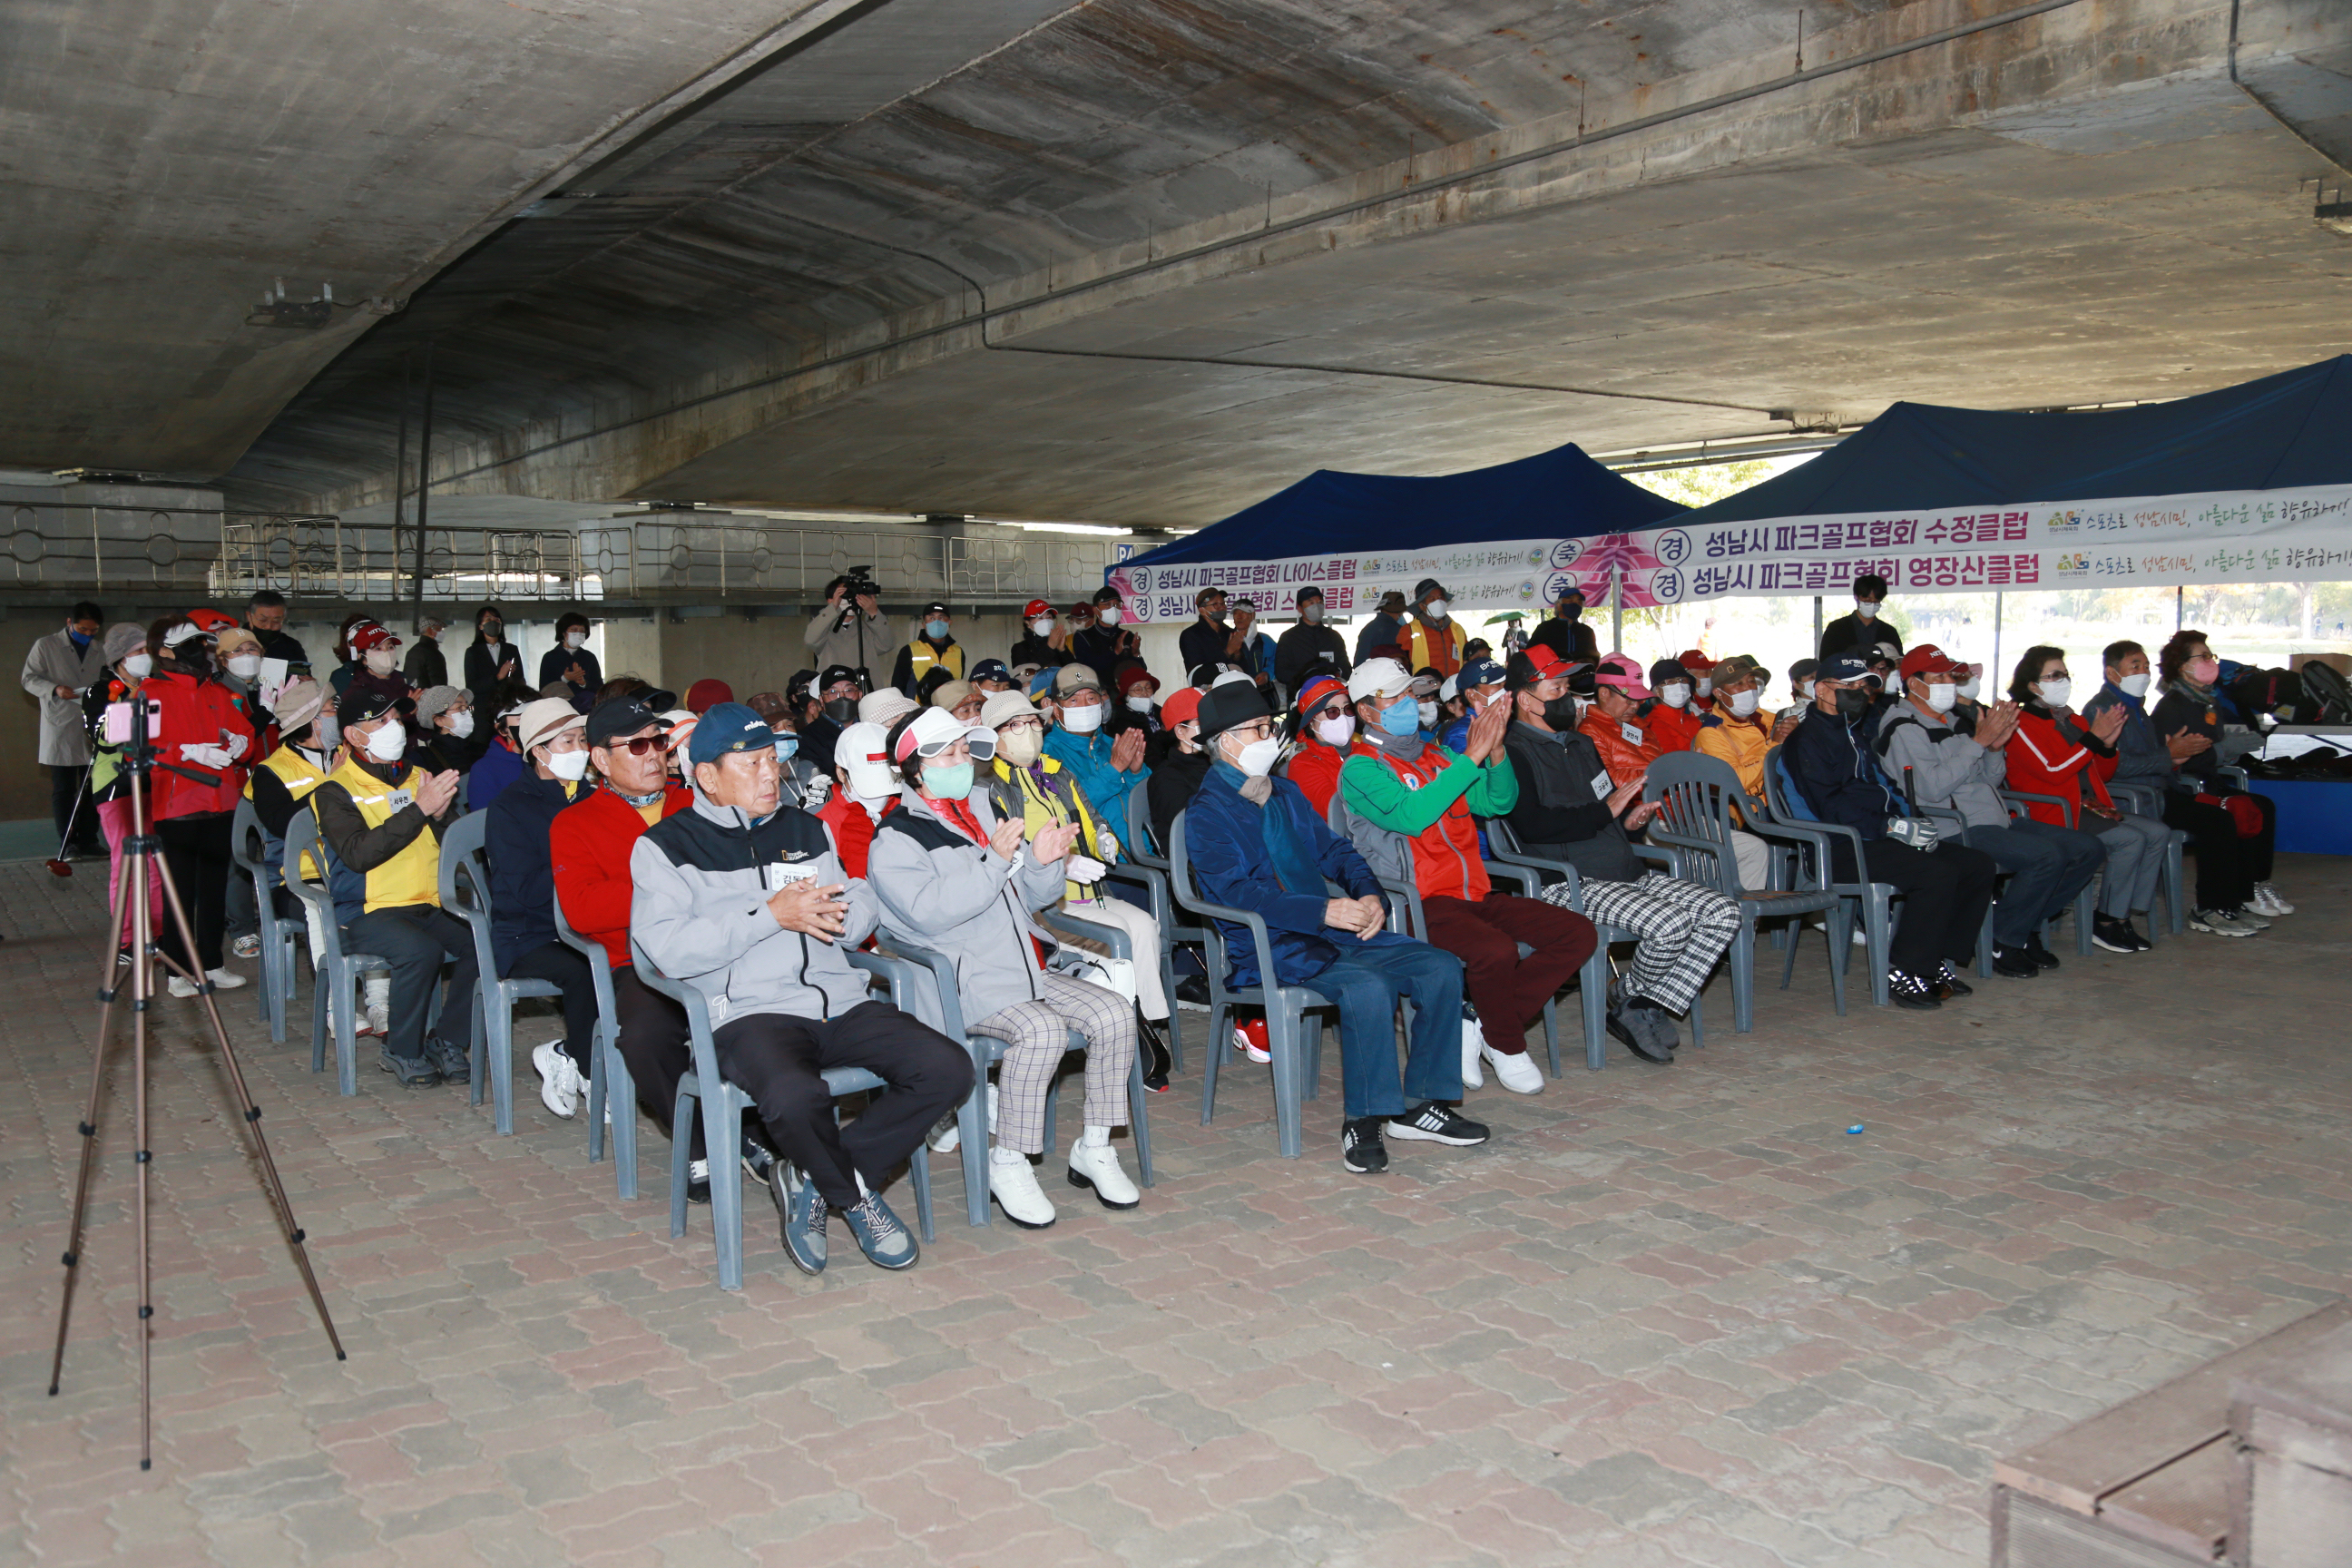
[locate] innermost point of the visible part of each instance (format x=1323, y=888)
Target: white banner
x=2247, y=536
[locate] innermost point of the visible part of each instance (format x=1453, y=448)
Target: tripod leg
x=251, y=1114
x=107, y=989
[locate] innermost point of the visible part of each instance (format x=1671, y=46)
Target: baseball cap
x=1185, y=704
x=1004, y=706
x=210, y=622
x=1571, y=589
x=1844, y=666
x=618, y=716
x=1930, y=660
x=549, y=717
x=369, y=635
x=991, y=670
x=950, y=692
x=1620, y=671
x=1694, y=660
x=933, y=730
x=1378, y=678
x=1884, y=653
x=936, y=607
x=707, y=693
x=1317, y=694
x=863, y=752
x=233, y=638
x=1667, y=669
x=1222, y=707
x=1083, y=611
x=1075, y=678
x=1804, y=669
x=1030, y=612
x=1446, y=690
x=727, y=727
x=1733, y=667
x=1041, y=680
x=1425, y=683
x=1230, y=676
x=834, y=674
x=361, y=703
x=1479, y=672
x=768, y=705
x=1535, y=663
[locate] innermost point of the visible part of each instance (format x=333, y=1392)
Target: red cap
x=1930, y=660
x=212, y=623
x=1620, y=671
x=1694, y=661
x=706, y=694
x=1083, y=610
x=369, y=635
x=1184, y=704
x=1034, y=608
x=1320, y=689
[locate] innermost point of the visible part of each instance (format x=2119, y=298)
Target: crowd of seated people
x=1355, y=798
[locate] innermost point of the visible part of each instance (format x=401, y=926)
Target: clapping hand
x=812, y=910
x=2184, y=744
x=1052, y=843
x=1127, y=751
x=1486, y=729
x=2109, y=723
x=434, y=795
x=2000, y=723
x=1006, y=836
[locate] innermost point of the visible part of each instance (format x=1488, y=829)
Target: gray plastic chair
x=1145, y=867
x=722, y=1108
x=334, y=1002
x=1410, y=919
x=465, y=893
x=249, y=847
x=610, y=1085
x=2086, y=903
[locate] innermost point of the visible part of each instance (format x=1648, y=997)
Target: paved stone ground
x=1670, y=1316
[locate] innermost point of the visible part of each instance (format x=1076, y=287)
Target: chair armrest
x=1110, y=936
x=697, y=1005
x=1799, y=833
x=888, y=967
x=2018, y=797
x=943, y=979
x=1529, y=880
x=1259, y=933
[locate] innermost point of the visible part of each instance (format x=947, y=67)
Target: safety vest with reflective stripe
x=412, y=877
x=300, y=775
x=921, y=657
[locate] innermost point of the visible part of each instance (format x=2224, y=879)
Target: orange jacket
x=1627, y=757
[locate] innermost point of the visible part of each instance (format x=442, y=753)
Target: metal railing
x=92, y=547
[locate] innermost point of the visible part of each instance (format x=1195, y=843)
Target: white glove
x=214, y=757
x=818, y=789
x=1108, y=845
x=1916, y=831
x=1082, y=870
x=233, y=744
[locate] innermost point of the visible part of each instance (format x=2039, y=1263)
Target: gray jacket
x=53, y=663
x=700, y=911
x=830, y=643
x=1947, y=769
x=940, y=890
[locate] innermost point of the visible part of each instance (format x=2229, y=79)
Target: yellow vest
x=921, y=657
x=411, y=877
x=300, y=776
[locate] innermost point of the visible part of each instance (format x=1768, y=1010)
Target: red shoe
x=1249, y=1038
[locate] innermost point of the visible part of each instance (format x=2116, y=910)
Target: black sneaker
x=1634, y=1031
x=450, y=1060
x=1433, y=1122
x=413, y=1072
x=2041, y=955
x=757, y=1158
x=2117, y=936
x=1949, y=984
x=1193, y=988
x=2014, y=963
x=1360, y=1148
x=1907, y=990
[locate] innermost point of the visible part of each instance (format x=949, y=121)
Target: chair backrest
x=600, y=963
x=1142, y=846
x=302, y=837
x=1388, y=852
x=463, y=847
x=1780, y=794
x=1697, y=793
x=248, y=844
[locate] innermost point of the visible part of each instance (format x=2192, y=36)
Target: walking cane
x=61, y=867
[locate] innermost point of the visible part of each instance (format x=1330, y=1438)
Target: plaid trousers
x=1037, y=1034
x=1680, y=929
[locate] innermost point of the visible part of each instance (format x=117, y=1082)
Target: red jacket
x=852, y=829
x=2042, y=762
x=1673, y=729
x=197, y=711
x=590, y=847
x=1315, y=769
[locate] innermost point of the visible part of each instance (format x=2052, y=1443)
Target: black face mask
x=842, y=711
x=493, y=630
x=1572, y=612
x=1561, y=712
x=1853, y=702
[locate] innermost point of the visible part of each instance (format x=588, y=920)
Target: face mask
x=1139, y=704
x=1402, y=717
x=1804, y=691
x=1042, y=627
x=1311, y=614
x=951, y=781
x=936, y=630
x=842, y=711
x=2057, y=693
x=330, y=732
x=379, y=660
x=2203, y=671
x=1853, y=702
x=1110, y=615
x=2133, y=685
x=569, y=766
x=1943, y=698
x=1428, y=714
x=1020, y=745
x=1743, y=704
x=1865, y=609
x=1257, y=758
x=1572, y=612
x=461, y=724
x=388, y=743
x=244, y=666
x=1335, y=730
x=1968, y=688
x=1561, y=713
x=575, y=639
x=1082, y=721
x=787, y=748
x=1674, y=696
x=139, y=666
x=490, y=630
x=1706, y=684
x=1436, y=610
x=80, y=639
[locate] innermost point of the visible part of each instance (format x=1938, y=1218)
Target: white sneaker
x=948, y=1136
x=225, y=979
x=1517, y=1072
x=179, y=988
x=558, y=1080
x=2268, y=902
x=1474, y=1040
x=1013, y=1183
x=1096, y=1165
x=379, y=1021
x=1861, y=936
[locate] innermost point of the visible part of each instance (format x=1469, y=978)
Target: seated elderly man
x=955, y=877
x=1945, y=884
x=2049, y=865
x=1571, y=807
x=742, y=899
x=1255, y=843
x=1410, y=807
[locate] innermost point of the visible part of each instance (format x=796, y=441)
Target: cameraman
x=853, y=609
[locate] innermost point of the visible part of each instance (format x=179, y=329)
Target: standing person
x=570, y=662
x=128, y=663
x=1863, y=630
x=1383, y=631
x=523, y=943
x=1106, y=769
x=1434, y=639
x=491, y=661
x=1109, y=643
x=2056, y=752
x=425, y=667
x=265, y=614
x=1310, y=648
x=1209, y=639
x=1569, y=639
x=934, y=648
x=58, y=669
x=1044, y=643
x=236, y=655
x=851, y=630
x=1258, y=649
x=201, y=730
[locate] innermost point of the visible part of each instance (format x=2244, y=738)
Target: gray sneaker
x=801, y=1215
x=2215, y=923
x=2247, y=918
x=886, y=1243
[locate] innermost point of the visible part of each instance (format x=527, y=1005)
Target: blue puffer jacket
x=1224, y=839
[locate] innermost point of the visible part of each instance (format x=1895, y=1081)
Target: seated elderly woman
x=955, y=877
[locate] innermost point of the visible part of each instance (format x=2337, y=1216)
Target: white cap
x=862, y=751
x=934, y=730
x=1448, y=691
x=886, y=707
x=1230, y=676
x=1381, y=677
x=1004, y=706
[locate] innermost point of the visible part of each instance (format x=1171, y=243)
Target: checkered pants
x=1037, y=1034
x=1680, y=929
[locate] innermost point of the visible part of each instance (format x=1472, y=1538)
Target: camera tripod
x=140, y=849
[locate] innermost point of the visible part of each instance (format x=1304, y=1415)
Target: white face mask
x=1042, y=627
x=1743, y=704
x=1437, y=608
x=379, y=660
x=1110, y=615
x=1139, y=704
x=244, y=666
x=1968, y=688
x=1082, y=720
x=2056, y=693
x=388, y=743
x=461, y=724
x=1706, y=684
x=1428, y=715
x=575, y=639
x=569, y=766
x=2131, y=685
x=140, y=666
x=1943, y=698
x=1257, y=758
x=1865, y=609
x=1804, y=691
x=1335, y=730
x=1674, y=696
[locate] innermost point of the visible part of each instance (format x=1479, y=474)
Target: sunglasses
x=640, y=746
